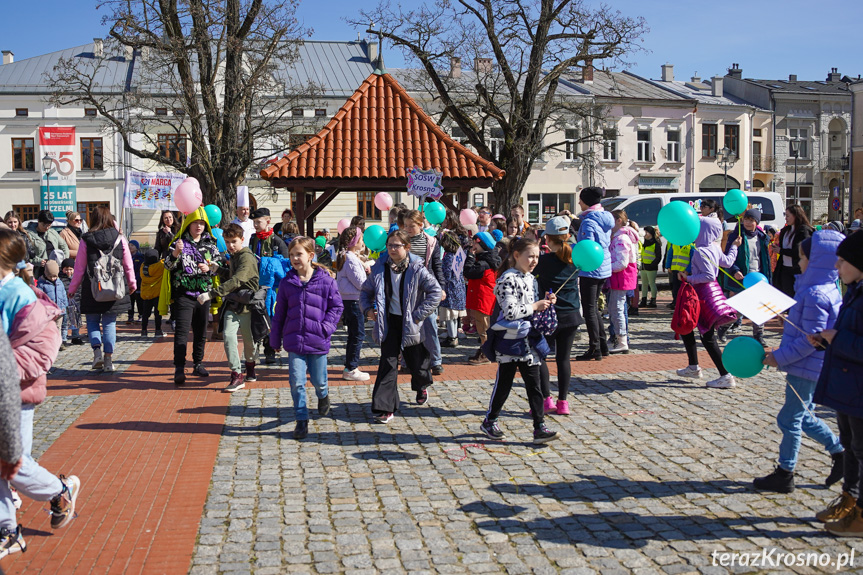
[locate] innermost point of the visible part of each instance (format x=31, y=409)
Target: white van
x=644, y=208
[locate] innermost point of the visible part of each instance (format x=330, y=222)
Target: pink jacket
x=35, y=341
x=81, y=267
x=624, y=259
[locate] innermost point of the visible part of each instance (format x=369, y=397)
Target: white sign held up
x=458, y=262
x=761, y=303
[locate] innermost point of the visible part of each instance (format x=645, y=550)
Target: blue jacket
x=56, y=292
x=453, y=285
x=840, y=384
x=818, y=302
x=596, y=225
x=15, y=295
x=271, y=271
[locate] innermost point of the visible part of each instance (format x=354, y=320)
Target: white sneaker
x=725, y=382
x=690, y=371
x=97, y=358
x=619, y=347
x=16, y=499
x=109, y=364
x=11, y=542
x=355, y=375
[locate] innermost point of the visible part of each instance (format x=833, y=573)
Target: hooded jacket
x=306, y=313
x=840, y=384
x=420, y=296
x=706, y=256
x=624, y=259
x=56, y=292
x=35, y=340
x=741, y=262
x=88, y=253
x=480, y=270
x=596, y=225
x=184, y=275
x=40, y=243
x=817, y=307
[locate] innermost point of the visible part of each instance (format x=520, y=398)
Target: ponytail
x=564, y=253
x=347, y=240
x=518, y=246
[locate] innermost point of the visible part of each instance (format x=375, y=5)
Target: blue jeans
x=355, y=322
x=794, y=418
x=108, y=335
x=32, y=480
x=298, y=364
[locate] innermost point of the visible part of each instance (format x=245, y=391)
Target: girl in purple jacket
x=307, y=311
x=350, y=276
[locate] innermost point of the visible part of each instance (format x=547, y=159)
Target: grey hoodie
x=10, y=403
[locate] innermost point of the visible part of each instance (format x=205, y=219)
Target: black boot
x=837, y=471
x=301, y=430
x=200, y=371
x=179, y=375
x=652, y=303
x=643, y=302
x=780, y=481
x=324, y=405
x=590, y=354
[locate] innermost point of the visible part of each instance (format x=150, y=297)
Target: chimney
x=792, y=77
x=373, y=52
x=667, y=73
x=98, y=50
x=482, y=65
x=695, y=79
x=8, y=57
x=587, y=72
x=130, y=51
x=717, y=86
x=735, y=71
x=834, y=75
x=454, y=67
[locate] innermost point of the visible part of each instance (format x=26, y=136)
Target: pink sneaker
x=548, y=405
x=562, y=407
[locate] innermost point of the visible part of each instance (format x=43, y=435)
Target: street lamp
x=726, y=158
x=47, y=164
x=795, y=151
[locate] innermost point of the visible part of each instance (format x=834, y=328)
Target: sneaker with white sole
x=98, y=362
x=620, y=346
x=355, y=375
x=16, y=499
x=63, y=506
x=690, y=371
x=384, y=418
x=11, y=542
x=726, y=381
x=109, y=363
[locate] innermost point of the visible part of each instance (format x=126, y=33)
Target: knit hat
x=591, y=195
x=52, y=268
x=135, y=243
x=837, y=226
x=261, y=213
x=806, y=246
x=68, y=263
x=754, y=214
x=557, y=226
x=487, y=240
x=851, y=250
x=497, y=235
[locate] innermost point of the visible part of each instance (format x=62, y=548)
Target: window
x=644, y=146
x=645, y=211
x=709, y=135
x=673, y=145
x=22, y=112
x=88, y=210
x=756, y=132
x=804, y=198
x=732, y=137
x=161, y=111
x=366, y=206
x=320, y=111
x=571, y=149
x=22, y=155
x=609, y=144
x=90, y=112
x=179, y=112
x=27, y=212
x=800, y=135
x=91, y=153
x=297, y=112
x=495, y=142
x=173, y=147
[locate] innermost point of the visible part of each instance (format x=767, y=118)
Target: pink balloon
x=188, y=196
x=467, y=217
x=193, y=181
x=343, y=224
x=383, y=201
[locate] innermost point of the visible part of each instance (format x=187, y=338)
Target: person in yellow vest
x=651, y=256
x=152, y=270
x=676, y=260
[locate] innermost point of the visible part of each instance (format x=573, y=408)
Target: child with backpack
x=452, y=309
x=713, y=311
x=152, y=270
x=55, y=290
x=308, y=309
x=350, y=275
x=817, y=307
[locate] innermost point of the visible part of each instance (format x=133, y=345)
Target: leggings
x=709, y=341
x=503, y=385
x=563, y=339
x=648, y=281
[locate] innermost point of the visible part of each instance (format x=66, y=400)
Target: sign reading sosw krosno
x=58, y=194
x=425, y=183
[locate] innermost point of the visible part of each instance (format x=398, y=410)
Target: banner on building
x=151, y=190
x=57, y=191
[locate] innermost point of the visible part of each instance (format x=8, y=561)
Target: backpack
x=107, y=281
x=686, y=311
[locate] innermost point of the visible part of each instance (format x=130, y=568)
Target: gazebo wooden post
x=300, y=209
x=463, y=199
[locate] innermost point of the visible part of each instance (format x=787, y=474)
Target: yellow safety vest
x=648, y=254
x=680, y=257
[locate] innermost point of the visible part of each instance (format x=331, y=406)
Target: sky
x=769, y=38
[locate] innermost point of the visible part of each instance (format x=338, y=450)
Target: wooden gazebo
x=376, y=137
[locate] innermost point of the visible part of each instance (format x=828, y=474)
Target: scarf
x=264, y=235
x=399, y=267
x=751, y=234
x=77, y=231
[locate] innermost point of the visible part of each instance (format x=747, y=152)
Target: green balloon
x=375, y=237
x=321, y=241
x=819, y=228
x=587, y=255
x=679, y=223
x=735, y=202
x=743, y=357
x=435, y=213
x=214, y=214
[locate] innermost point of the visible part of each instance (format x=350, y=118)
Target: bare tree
x=516, y=56
x=210, y=73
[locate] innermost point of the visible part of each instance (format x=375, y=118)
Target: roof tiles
x=380, y=133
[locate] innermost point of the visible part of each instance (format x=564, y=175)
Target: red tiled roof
x=380, y=133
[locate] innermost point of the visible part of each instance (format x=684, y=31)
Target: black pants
x=563, y=338
x=385, y=394
x=851, y=437
x=503, y=385
x=675, y=286
x=149, y=306
x=135, y=301
x=590, y=290
x=188, y=313
x=355, y=323
x=710, y=344
x=783, y=279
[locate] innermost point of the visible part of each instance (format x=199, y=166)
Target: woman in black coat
x=796, y=230
x=168, y=227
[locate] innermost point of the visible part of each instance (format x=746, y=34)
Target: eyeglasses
x=77, y=220
x=395, y=246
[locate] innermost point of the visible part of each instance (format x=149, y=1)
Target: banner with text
x=58, y=190
x=151, y=190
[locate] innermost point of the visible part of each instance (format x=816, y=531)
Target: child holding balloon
x=817, y=307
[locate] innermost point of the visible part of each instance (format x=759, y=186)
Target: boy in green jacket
x=240, y=274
